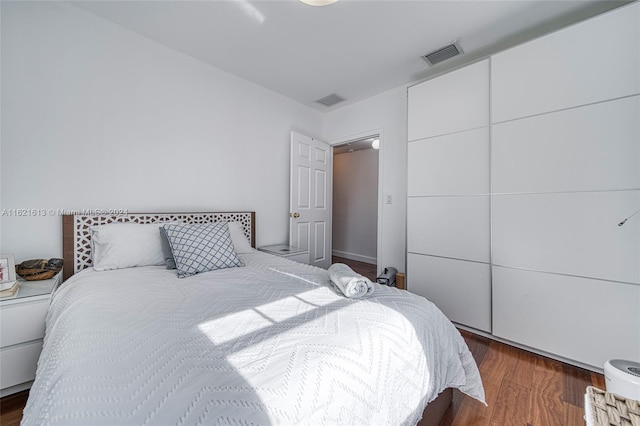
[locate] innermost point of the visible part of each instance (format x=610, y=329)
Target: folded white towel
x=350, y=283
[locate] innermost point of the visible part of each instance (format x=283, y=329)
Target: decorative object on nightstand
x=10, y=291
x=297, y=254
x=39, y=269
x=8, y=281
x=22, y=326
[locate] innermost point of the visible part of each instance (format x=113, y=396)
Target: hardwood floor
x=522, y=389
x=11, y=408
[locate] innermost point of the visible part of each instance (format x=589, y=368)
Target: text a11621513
x=34, y=212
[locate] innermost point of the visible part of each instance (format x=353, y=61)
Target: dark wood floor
x=11, y=408
x=522, y=389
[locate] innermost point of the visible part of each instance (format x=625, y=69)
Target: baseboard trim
x=531, y=349
x=15, y=389
x=356, y=257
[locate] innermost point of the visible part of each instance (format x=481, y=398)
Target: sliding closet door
x=448, y=205
x=566, y=171
x=514, y=199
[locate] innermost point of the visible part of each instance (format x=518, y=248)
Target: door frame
x=378, y=133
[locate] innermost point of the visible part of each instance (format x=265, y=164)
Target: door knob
x=294, y=215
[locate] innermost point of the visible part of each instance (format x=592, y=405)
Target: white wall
x=355, y=205
x=95, y=116
x=385, y=113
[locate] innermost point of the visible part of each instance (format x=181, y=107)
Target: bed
x=270, y=342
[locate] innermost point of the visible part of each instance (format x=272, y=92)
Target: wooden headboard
x=76, y=235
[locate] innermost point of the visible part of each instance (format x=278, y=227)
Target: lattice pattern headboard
x=76, y=237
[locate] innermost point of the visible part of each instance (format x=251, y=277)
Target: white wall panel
x=586, y=320
x=460, y=289
x=570, y=233
x=453, y=102
x=455, y=164
x=455, y=227
x=595, y=147
x=387, y=111
x=592, y=61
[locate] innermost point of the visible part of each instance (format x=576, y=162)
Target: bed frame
x=76, y=235
x=435, y=410
x=76, y=252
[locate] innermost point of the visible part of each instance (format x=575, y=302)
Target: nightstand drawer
x=22, y=322
x=18, y=364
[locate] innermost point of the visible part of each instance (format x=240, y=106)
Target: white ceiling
x=355, y=48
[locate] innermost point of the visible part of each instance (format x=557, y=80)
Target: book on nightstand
x=10, y=290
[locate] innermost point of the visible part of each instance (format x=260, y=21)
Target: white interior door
x=310, y=198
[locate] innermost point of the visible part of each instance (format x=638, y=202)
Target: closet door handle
x=294, y=215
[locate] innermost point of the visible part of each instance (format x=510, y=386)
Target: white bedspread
x=270, y=343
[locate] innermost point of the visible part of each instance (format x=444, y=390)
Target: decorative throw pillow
x=201, y=247
x=240, y=242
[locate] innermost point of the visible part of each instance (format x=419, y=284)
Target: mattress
x=272, y=342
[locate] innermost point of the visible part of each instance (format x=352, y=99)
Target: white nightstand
x=290, y=252
x=21, y=331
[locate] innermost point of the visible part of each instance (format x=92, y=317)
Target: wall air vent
x=330, y=100
x=443, y=53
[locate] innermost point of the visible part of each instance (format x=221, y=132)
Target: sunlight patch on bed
x=248, y=321
x=296, y=276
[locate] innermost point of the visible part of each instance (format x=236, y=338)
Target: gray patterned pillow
x=201, y=247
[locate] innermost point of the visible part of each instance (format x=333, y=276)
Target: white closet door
x=462, y=290
x=569, y=233
x=455, y=164
x=592, y=61
x=589, y=321
x=448, y=213
x=455, y=101
x=592, y=148
x=456, y=227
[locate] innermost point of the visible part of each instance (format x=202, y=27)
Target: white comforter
x=269, y=343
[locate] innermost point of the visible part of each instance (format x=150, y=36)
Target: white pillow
x=126, y=245
x=240, y=242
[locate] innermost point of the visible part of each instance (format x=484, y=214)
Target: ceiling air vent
x=330, y=100
x=443, y=53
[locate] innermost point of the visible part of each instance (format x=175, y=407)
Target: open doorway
x=355, y=205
